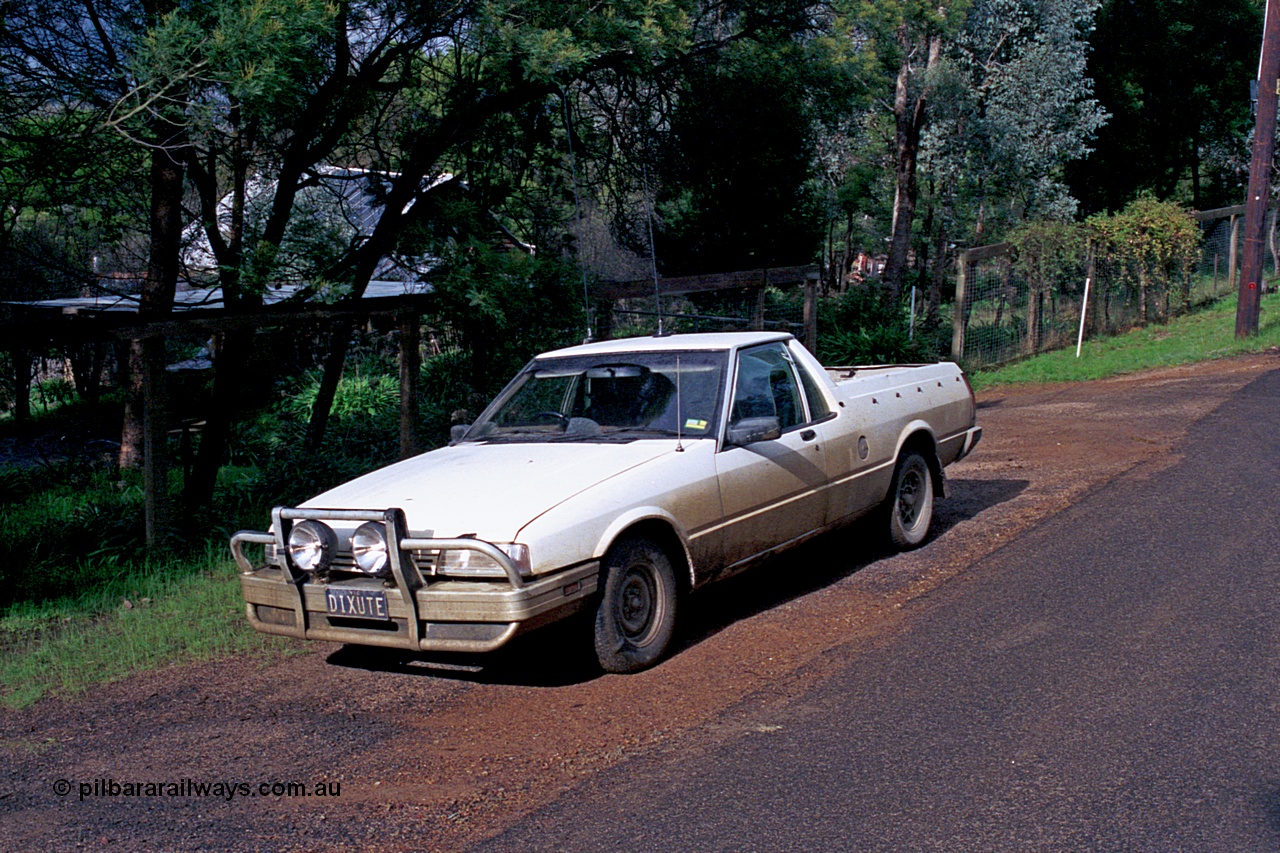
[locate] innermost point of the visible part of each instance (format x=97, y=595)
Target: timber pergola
x=606, y=293
x=27, y=326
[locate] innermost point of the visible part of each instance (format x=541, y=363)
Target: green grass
x=1201, y=336
x=172, y=616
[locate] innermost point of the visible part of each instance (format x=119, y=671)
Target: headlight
x=369, y=548
x=473, y=564
x=311, y=545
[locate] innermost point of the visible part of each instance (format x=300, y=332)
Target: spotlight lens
x=369, y=548
x=311, y=545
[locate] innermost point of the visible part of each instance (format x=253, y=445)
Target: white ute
x=614, y=476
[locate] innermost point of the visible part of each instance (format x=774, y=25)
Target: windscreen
x=622, y=396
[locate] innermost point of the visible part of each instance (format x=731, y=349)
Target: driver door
x=772, y=491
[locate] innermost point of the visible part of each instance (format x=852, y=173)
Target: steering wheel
x=550, y=415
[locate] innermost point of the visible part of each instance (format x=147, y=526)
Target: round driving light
x=369, y=548
x=311, y=545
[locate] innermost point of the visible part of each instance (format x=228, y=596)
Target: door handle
x=808, y=435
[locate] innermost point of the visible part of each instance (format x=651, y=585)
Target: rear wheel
x=910, y=502
x=636, y=616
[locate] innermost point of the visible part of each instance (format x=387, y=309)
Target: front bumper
x=426, y=612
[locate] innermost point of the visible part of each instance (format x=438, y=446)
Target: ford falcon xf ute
x=612, y=477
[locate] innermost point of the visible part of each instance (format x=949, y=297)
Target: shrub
x=1154, y=242
x=863, y=326
x=61, y=535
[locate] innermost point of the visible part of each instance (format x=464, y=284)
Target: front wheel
x=637, y=613
x=910, y=502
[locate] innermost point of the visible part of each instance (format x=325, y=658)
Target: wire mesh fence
x=771, y=309
x=999, y=315
x=776, y=299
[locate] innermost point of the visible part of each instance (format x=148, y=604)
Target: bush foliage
x=1155, y=243
x=864, y=326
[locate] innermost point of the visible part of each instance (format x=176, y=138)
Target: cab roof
x=710, y=341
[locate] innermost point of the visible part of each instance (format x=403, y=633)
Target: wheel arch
x=664, y=532
x=918, y=436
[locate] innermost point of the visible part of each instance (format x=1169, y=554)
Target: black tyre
x=910, y=503
x=637, y=612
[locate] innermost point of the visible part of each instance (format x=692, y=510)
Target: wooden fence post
x=1232, y=254
x=958, y=313
x=21, y=358
x=1091, y=273
x=604, y=319
x=811, y=312
x=757, y=314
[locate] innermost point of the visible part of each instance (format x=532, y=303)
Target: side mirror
x=457, y=432
x=750, y=430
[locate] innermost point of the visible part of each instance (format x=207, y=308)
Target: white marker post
x=1084, y=307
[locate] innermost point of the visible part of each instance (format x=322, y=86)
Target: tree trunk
x=157, y=301
x=1033, y=318
x=21, y=384
x=131, y=443
x=86, y=369
x=909, y=115
x=410, y=362
x=232, y=353
x=1142, y=294
x=231, y=359
x=1195, y=166
x=339, y=342
x=939, y=276
x=155, y=443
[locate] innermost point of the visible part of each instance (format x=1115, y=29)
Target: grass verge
x=157, y=617
x=1201, y=336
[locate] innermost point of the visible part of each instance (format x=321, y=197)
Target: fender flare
x=914, y=432
x=641, y=515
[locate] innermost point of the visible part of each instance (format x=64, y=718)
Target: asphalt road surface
x=1108, y=681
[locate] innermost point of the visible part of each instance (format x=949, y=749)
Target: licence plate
x=356, y=603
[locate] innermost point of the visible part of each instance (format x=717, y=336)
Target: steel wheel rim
x=637, y=609
x=910, y=494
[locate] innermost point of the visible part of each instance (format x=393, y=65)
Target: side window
x=766, y=387
x=818, y=408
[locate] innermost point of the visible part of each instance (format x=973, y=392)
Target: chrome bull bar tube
x=292, y=587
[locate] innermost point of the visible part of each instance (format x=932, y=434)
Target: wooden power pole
x=1255, y=214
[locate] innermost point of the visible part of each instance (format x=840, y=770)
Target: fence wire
x=999, y=316
x=730, y=310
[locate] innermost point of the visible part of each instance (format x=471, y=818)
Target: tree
x=271, y=93
x=1152, y=241
x=1174, y=75
x=1018, y=108
x=902, y=42
x=735, y=175
x=70, y=61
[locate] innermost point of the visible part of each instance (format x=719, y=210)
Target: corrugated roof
x=198, y=298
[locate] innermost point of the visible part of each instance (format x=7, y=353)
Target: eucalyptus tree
x=1019, y=109
x=986, y=99
x=901, y=47
x=258, y=98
